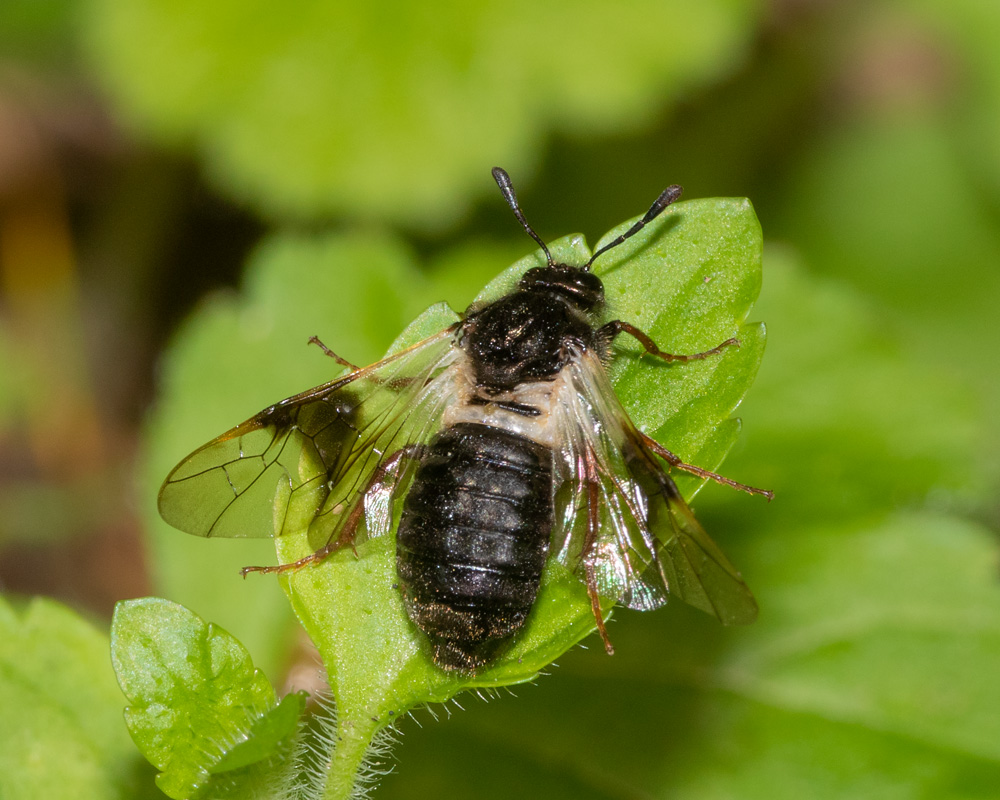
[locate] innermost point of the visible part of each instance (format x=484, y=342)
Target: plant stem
x=348, y=758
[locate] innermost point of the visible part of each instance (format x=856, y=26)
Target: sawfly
x=490, y=447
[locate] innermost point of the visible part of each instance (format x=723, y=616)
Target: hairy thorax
x=522, y=338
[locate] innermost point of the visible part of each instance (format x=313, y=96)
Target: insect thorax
x=522, y=338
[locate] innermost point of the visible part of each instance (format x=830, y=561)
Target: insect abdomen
x=472, y=540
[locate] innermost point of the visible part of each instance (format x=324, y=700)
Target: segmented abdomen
x=472, y=540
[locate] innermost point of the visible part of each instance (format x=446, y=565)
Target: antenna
x=503, y=181
x=667, y=196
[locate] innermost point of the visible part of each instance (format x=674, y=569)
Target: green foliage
x=700, y=260
x=61, y=734
x=197, y=707
x=692, y=288
x=336, y=107
x=870, y=670
x=847, y=654
x=867, y=425
x=868, y=139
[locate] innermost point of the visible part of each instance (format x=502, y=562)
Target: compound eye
x=590, y=283
x=535, y=276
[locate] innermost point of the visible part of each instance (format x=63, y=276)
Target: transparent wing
x=316, y=453
x=623, y=516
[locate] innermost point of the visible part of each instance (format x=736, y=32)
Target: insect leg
x=342, y=361
x=593, y=526
x=609, y=331
x=396, y=382
x=675, y=461
x=350, y=527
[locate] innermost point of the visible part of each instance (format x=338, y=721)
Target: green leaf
x=61, y=734
x=376, y=661
x=875, y=658
x=267, y=734
x=691, y=287
x=845, y=419
x=196, y=706
x=698, y=271
x=324, y=108
x=689, y=280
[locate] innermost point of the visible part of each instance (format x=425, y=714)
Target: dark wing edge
x=310, y=456
x=649, y=544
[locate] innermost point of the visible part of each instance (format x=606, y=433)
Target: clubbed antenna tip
x=667, y=196
x=507, y=189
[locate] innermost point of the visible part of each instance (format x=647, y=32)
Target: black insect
x=498, y=443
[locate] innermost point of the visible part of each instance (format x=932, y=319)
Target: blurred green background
x=188, y=191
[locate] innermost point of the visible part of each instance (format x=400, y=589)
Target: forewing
x=648, y=543
x=315, y=452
